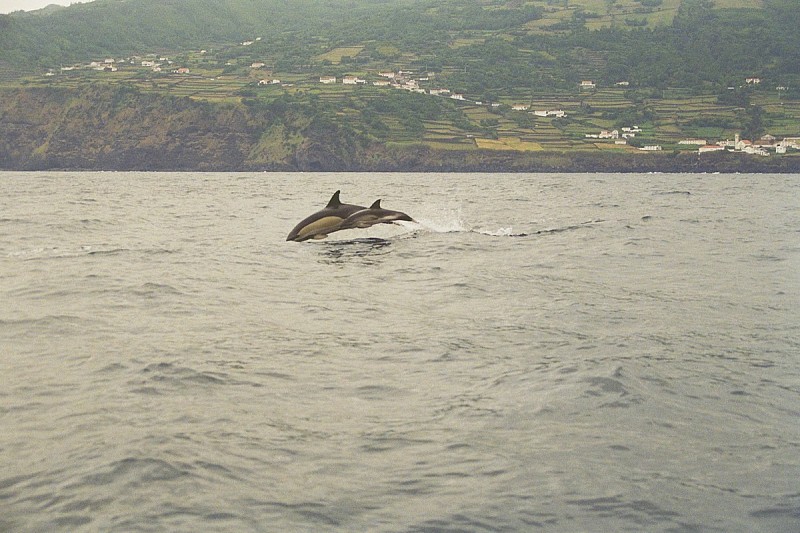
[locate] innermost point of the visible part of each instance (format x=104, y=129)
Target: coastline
x=423, y=159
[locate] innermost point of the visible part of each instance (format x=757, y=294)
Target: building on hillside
x=588, y=84
x=651, y=148
x=327, y=79
x=710, y=148
x=520, y=107
x=698, y=142
x=558, y=113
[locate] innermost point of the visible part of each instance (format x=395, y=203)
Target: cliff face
x=121, y=128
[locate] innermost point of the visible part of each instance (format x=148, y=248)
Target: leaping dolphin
x=372, y=216
x=325, y=221
x=338, y=216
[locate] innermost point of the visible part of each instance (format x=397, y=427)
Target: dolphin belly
x=318, y=228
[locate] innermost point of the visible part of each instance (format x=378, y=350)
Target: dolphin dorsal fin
x=334, y=201
x=376, y=205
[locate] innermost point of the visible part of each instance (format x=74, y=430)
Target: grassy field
x=605, y=13
x=508, y=143
x=335, y=56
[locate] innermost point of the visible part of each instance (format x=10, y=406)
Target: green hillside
x=673, y=69
x=528, y=43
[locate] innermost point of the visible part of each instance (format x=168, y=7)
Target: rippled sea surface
x=545, y=352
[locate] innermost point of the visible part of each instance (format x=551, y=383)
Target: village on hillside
x=258, y=74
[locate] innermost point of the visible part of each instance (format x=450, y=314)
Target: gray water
x=538, y=353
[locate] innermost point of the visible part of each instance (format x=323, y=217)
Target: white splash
x=443, y=221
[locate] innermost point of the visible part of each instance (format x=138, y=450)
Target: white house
x=457, y=96
x=698, y=142
x=651, y=148
x=258, y=65
x=439, y=92
x=588, y=84
x=710, y=148
x=558, y=113
x=520, y=107
x=327, y=79
x=605, y=134
x=381, y=83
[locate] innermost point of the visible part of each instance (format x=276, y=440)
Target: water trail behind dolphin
x=451, y=220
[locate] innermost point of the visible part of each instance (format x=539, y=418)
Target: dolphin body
x=324, y=221
x=338, y=216
x=374, y=215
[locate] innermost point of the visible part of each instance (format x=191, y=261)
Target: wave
x=54, y=252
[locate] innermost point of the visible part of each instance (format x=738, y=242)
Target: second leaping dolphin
x=375, y=214
x=324, y=221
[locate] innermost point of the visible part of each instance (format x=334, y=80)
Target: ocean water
x=538, y=352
